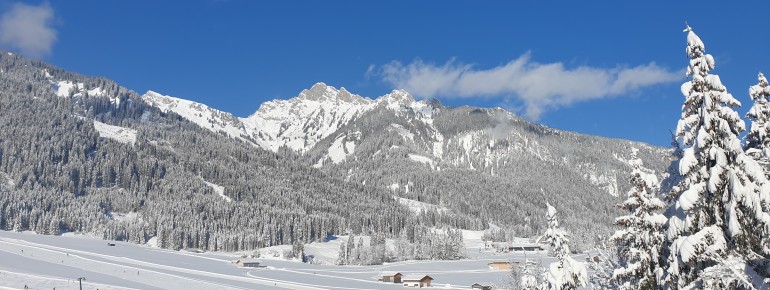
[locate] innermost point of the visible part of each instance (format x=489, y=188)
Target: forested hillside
x=60, y=175
x=84, y=154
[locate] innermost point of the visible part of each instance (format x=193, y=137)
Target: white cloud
x=540, y=87
x=28, y=28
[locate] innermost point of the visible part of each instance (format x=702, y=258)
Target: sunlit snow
x=120, y=134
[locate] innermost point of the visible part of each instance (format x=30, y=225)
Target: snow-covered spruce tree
x=566, y=273
x=341, y=255
x=758, y=137
x=640, y=237
x=717, y=207
x=532, y=274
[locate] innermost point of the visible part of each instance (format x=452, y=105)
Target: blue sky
x=609, y=68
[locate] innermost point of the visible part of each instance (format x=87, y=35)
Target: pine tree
x=566, y=273
x=531, y=276
x=758, y=137
x=350, y=250
x=639, y=240
x=341, y=255
x=717, y=206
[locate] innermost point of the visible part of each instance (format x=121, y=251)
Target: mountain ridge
x=328, y=159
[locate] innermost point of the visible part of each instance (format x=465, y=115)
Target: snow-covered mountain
x=458, y=158
x=200, y=114
x=483, y=140
x=349, y=163
x=299, y=123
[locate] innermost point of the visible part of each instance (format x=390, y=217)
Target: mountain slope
x=479, y=163
x=83, y=154
x=112, y=165
x=488, y=164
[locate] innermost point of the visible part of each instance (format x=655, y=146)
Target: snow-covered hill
x=484, y=140
x=200, y=114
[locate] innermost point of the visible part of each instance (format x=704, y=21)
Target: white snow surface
x=124, y=217
x=64, y=88
x=200, y=114
x=340, y=149
x=55, y=261
x=403, y=132
x=220, y=190
x=423, y=160
x=117, y=133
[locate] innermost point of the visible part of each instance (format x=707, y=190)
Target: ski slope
x=47, y=262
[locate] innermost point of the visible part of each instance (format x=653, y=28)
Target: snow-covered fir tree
x=758, y=136
x=532, y=274
x=640, y=237
x=717, y=207
x=566, y=273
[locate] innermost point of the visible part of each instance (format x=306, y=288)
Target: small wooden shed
x=392, y=278
x=480, y=287
x=247, y=263
x=504, y=266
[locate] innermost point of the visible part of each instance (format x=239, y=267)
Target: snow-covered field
x=47, y=262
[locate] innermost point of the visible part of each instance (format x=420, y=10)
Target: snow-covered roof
x=405, y=278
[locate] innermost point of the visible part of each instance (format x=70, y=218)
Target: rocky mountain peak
x=323, y=92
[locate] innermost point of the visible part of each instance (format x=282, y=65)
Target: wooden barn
x=391, y=278
x=481, y=287
x=416, y=281
x=504, y=266
x=247, y=263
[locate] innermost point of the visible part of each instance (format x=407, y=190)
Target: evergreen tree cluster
x=715, y=231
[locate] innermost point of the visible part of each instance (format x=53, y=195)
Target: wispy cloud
x=28, y=28
x=539, y=87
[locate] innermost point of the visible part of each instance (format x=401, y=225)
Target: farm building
x=505, y=266
x=391, y=278
x=518, y=247
x=481, y=287
x=416, y=281
x=247, y=263
x=525, y=247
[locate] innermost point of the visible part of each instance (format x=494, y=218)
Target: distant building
x=525, y=247
x=416, y=281
x=247, y=263
x=518, y=247
x=481, y=287
x=504, y=266
x=392, y=278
